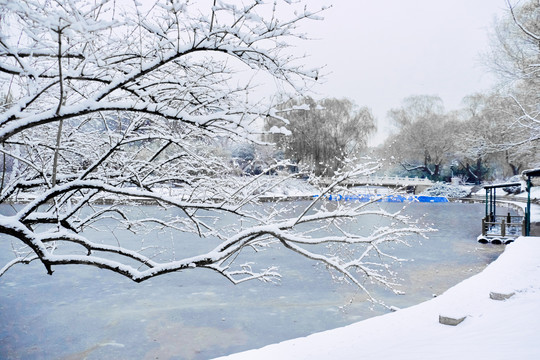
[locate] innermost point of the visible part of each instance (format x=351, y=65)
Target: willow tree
x=324, y=134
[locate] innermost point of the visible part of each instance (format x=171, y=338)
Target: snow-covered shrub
x=244, y=152
x=447, y=190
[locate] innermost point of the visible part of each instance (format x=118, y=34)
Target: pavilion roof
x=531, y=172
x=508, y=184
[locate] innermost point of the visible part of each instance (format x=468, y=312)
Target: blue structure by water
x=386, y=198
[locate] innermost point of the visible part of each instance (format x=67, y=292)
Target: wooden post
x=487, y=202
x=484, y=230
x=528, y=211
x=494, y=204
x=503, y=228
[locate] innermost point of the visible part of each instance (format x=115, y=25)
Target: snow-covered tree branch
x=108, y=124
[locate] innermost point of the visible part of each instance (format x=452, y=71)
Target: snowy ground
x=492, y=329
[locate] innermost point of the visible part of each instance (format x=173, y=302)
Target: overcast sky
x=381, y=51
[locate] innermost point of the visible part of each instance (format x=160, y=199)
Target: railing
x=503, y=226
x=393, y=180
x=387, y=180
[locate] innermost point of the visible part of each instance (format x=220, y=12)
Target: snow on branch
x=522, y=27
x=111, y=142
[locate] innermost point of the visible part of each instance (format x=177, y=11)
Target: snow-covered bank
x=492, y=329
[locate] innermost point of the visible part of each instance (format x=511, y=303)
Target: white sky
x=381, y=51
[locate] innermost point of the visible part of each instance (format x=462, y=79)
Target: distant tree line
x=496, y=134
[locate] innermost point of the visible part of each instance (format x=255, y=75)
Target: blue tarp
x=386, y=198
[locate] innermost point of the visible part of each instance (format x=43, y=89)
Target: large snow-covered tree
x=109, y=104
x=515, y=58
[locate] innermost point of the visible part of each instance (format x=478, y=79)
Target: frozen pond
x=82, y=312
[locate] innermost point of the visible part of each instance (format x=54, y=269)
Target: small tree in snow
x=111, y=106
